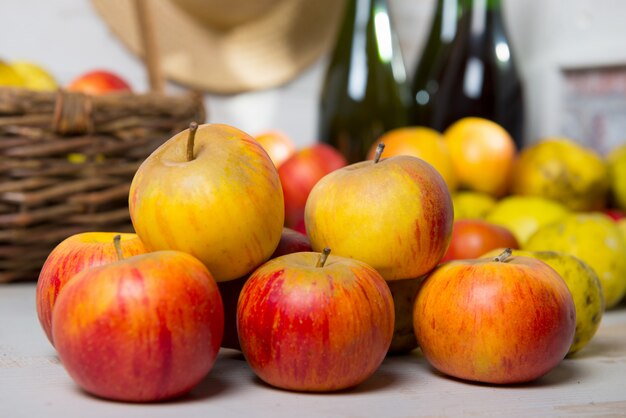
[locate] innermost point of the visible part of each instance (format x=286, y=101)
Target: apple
x=213, y=192
x=524, y=215
x=394, y=214
x=34, y=76
x=594, y=238
x=584, y=285
x=301, y=172
x=616, y=161
x=73, y=255
x=472, y=238
x=277, y=145
x=496, y=320
x=290, y=242
x=98, y=82
x=146, y=328
x=615, y=214
x=404, y=293
x=311, y=322
x=472, y=205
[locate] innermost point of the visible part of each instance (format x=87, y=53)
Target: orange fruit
x=483, y=154
x=277, y=145
x=421, y=142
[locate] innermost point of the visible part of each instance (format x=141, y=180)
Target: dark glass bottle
x=477, y=76
x=425, y=83
x=365, y=92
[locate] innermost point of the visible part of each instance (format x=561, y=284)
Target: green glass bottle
x=365, y=92
x=425, y=83
x=477, y=75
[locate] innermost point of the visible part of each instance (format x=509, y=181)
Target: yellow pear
x=472, y=205
x=594, y=238
x=584, y=286
x=34, y=76
x=523, y=215
x=562, y=170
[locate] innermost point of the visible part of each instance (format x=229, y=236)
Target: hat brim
x=258, y=54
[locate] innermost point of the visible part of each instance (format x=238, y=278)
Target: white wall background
x=68, y=38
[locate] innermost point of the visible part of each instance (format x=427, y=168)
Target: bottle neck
x=491, y=5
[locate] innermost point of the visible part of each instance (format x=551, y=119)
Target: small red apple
x=145, y=328
x=471, y=238
x=308, y=323
x=277, y=145
x=73, y=255
x=290, y=242
x=301, y=172
x=615, y=214
x=99, y=82
x=496, y=320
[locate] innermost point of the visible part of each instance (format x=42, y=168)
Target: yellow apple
x=617, y=174
x=34, y=76
x=394, y=214
x=523, y=215
x=472, y=205
x=595, y=239
x=561, y=169
x=217, y=197
x=9, y=77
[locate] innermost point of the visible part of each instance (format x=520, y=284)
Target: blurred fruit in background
x=472, y=205
x=300, y=172
x=560, y=169
x=34, y=76
x=523, y=215
x=471, y=238
x=420, y=142
x=617, y=174
x=594, y=238
x=482, y=155
x=277, y=145
x=615, y=214
x=9, y=77
x=99, y=82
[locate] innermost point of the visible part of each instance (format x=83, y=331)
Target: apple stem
x=503, y=256
x=323, y=257
x=118, y=246
x=193, y=127
x=379, y=152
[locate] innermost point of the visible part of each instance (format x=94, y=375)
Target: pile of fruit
x=30, y=75
x=383, y=261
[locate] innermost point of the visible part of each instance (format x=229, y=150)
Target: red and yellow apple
x=98, y=82
x=277, y=145
x=497, y=320
x=71, y=256
x=471, y=238
x=307, y=324
x=394, y=214
x=301, y=172
x=290, y=242
x=215, y=195
x=146, y=328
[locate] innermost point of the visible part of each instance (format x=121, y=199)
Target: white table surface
x=33, y=383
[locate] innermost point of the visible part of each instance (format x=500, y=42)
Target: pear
x=561, y=169
x=594, y=238
x=472, y=205
x=34, y=76
x=583, y=284
x=617, y=175
x=523, y=215
x=9, y=77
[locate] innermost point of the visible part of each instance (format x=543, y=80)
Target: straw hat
x=229, y=46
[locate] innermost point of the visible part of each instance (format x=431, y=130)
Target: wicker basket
x=66, y=163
